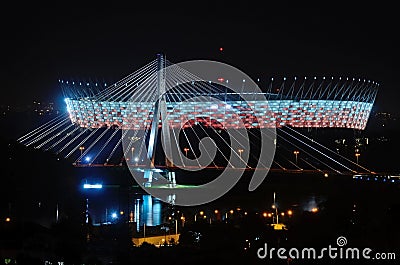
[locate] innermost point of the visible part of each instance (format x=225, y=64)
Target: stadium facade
x=299, y=102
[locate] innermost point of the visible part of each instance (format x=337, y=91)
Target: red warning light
x=221, y=79
x=221, y=49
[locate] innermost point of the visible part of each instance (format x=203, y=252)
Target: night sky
x=42, y=45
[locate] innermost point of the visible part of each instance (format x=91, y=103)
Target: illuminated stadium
x=99, y=115
x=342, y=103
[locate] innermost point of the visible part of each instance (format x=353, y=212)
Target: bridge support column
x=148, y=174
x=171, y=179
x=160, y=111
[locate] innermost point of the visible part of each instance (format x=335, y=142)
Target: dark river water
x=122, y=198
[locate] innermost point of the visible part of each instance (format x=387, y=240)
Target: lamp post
x=195, y=216
x=240, y=152
x=276, y=209
x=357, y=155
x=186, y=150
x=296, y=153
x=216, y=214
x=81, y=148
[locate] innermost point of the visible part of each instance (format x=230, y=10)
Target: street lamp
x=276, y=209
x=296, y=153
x=195, y=216
x=186, y=150
x=265, y=214
x=81, y=148
x=183, y=220
x=357, y=155
x=240, y=152
x=276, y=212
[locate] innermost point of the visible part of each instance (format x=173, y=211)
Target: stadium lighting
x=214, y=107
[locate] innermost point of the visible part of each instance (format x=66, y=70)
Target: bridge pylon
x=160, y=111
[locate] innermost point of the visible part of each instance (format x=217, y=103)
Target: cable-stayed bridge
x=122, y=123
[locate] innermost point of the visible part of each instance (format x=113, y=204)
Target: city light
x=8, y=219
x=314, y=210
x=92, y=186
x=87, y=159
x=265, y=214
x=296, y=153
x=240, y=152
x=114, y=215
x=357, y=155
x=186, y=150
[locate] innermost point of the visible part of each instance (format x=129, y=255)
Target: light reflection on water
x=300, y=193
x=147, y=210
